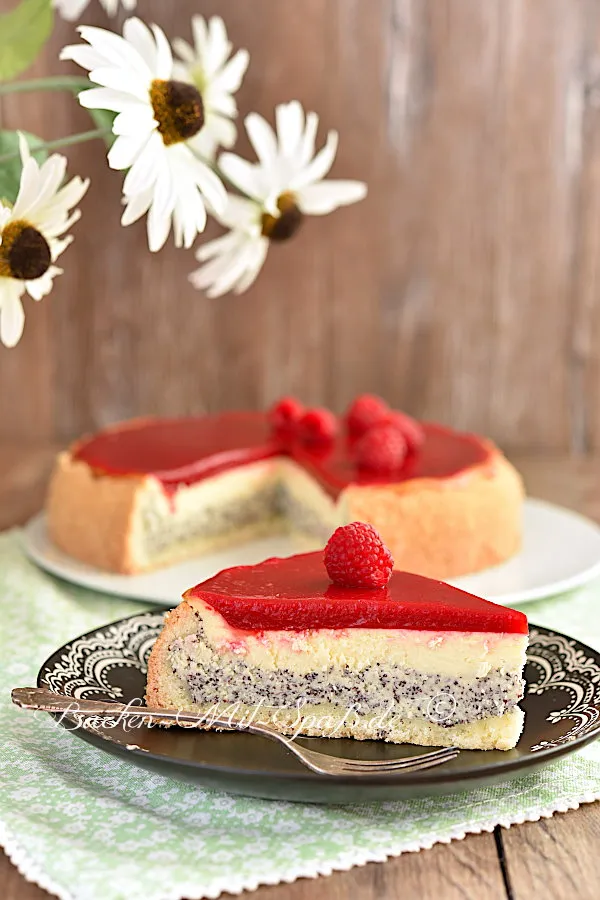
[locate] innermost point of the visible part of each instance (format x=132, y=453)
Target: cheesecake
x=150, y=492
x=416, y=661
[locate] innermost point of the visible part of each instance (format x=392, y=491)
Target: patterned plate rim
x=584, y=711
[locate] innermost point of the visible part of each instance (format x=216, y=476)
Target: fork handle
x=48, y=701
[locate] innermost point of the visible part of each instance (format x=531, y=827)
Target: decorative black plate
x=562, y=712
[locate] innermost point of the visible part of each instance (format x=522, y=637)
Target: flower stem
x=73, y=83
x=67, y=141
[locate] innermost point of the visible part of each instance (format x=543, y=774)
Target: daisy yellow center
x=178, y=109
x=286, y=224
x=24, y=252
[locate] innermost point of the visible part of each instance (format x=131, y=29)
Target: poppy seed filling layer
x=273, y=506
x=212, y=677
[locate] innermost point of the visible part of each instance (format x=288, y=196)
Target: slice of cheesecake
x=416, y=661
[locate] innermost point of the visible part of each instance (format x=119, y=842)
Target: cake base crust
x=324, y=720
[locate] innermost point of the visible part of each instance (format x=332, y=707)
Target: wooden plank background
x=465, y=288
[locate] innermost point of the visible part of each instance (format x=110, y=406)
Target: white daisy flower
x=284, y=186
x=157, y=115
x=31, y=236
x=208, y=65
x=72, y=9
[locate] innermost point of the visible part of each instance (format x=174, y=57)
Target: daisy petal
x=253, y=269
x=216, y=267
x=211, y=186
x=142, y=173
x=114, y=49
x=219, y=132
x=320, y=165
x=70, y=10
x=183, y=50
x=223, y=129
x=218, y=247
x=240, y=213
x=121, y=80
x=164, y=57
x=262, y=138
x=244, y=175
x=220, y=102
x=218, y=46
x=200, y=32
x=84, y=56
x=189, y=219
x=137, y=121
x=28, y=187
x=12, y=315
x=139, y=36
x=41, y=287
x=307, y=145
x=125, y=151
x=322, y=198
x=236, y=269
x=51, y=176
x=231, y=75
x=136, y=207
x=24, y=150
x=58, y=247
x=204, y=145
x=290, y=125
x=159, y=216
x=70, y=194
x=107, y=98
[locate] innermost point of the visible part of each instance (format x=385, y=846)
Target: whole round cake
x=150, y=492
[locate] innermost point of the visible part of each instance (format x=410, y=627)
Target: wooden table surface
x=554, y=858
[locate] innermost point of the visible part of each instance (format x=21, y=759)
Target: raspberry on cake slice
x=352, y=650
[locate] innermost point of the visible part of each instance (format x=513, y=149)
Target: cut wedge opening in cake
x=252, y=501
x=416, y=661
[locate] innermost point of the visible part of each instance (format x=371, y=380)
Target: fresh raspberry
x=382, y=449
x=285, y=414
x=410, y=429
x=355, y=556
x=317, y=426
x=366, y=411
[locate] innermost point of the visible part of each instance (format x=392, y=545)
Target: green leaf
x=10, y=171
x=23, y=32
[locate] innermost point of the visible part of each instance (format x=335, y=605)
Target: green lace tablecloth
x=86, y=825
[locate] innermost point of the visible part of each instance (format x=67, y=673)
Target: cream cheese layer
x=462, y=654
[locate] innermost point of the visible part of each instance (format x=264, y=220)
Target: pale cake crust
x=444, y=528
x=91, y=517
x=165, y=690
x=441, y=528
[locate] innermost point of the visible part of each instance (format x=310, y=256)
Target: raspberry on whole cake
x=149, y=492
x=317, y=426
x=365, y=411
x=285, y=414
x=410, y=660
x=382, y=449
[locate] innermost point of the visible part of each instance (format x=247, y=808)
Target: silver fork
x=323, y=763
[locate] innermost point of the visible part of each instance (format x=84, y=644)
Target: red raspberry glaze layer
x=186, y=450
x=295, y=594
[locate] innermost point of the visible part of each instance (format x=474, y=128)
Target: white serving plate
x=561, y=551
